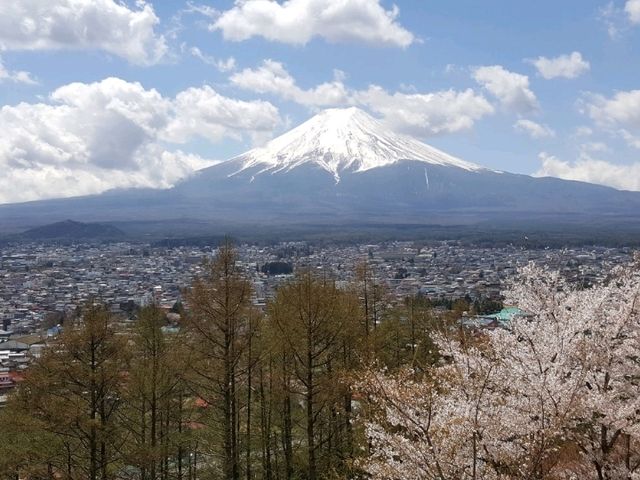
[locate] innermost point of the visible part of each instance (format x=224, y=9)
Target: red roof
x=16, y=376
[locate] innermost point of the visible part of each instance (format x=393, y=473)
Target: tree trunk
x=248, y=440
x=93, y=434
x=311, y=445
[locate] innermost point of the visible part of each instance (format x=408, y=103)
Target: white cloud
x=82, y=24
x=89, y=138
x=272, y=77
x=205, y=113
x=511, y=89
x=632, y=8
x=589, y=147
x=159, y=168
x=534, y=129
x=586, y=169
x=608, y=15
x=631, y=139
x=566, y=66
x=621, y=109
x=222, y=65
x=226, y=65
x=619, y=19
x=583, y=131
x=15, y=76
x=298, y=21
x=451, y=68
x=620, y=113
x=426, y=114
x=201, y=9
x=414, y=113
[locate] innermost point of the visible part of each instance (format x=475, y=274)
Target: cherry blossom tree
x=554, y=395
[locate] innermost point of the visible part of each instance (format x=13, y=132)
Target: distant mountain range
x=339, y=167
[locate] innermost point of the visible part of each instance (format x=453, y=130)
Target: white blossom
x=553, y=396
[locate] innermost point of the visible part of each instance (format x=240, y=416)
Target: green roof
x=506, y=314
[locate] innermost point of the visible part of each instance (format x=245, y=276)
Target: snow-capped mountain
x=343, y=139
x=343, y=163
x=344, y=166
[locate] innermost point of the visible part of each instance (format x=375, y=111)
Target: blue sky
x=98, y=94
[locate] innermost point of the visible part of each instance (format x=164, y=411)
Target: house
x=54, y=331
x=8, y=381
x=14, y=346
x=494, y=320
x=4, y=335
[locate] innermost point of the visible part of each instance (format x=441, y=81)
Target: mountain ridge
x=344, y=167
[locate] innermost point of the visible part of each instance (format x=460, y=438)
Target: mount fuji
x=342, y=166
x=342, y=140
x=343, y=163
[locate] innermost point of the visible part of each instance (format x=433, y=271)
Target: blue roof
x=506, y=314
x=502, y=318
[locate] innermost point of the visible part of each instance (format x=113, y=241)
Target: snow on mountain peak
x=340, y=139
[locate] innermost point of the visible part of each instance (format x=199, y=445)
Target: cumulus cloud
x=510, y=88
x=298, y=21
x=205, y=113
x=15, y=76
x=272, y=77
x=623, y=108
x=88, y=138
x=566, y=66
x=632, y=9
x=159, y=168
x=586, y=169
x=410, y=112
x=533, y=129
x=426, y=114
x=83, y=24
x=619, y=113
